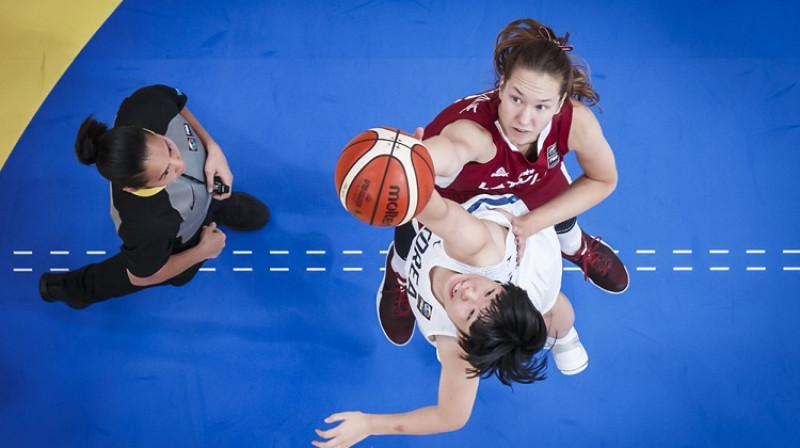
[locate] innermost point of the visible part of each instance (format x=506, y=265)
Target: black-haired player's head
x=504, y=338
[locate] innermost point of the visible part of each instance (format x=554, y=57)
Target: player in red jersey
x=513, y=140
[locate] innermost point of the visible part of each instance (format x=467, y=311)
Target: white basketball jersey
x=539, y=273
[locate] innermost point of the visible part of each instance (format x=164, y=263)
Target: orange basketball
x=384, y=177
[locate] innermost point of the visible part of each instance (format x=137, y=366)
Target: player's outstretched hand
x=518, y=239
x=354, y=427
x=524, y=226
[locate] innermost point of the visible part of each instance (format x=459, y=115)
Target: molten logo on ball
x=390, y=216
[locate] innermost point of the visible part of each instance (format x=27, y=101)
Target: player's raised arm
x=456, y=397
x=384, y=177
x=459, y=143
x=467, y=238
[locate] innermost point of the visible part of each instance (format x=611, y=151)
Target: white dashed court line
x=383, y=269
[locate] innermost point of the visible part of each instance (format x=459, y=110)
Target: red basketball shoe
x=600, y=264
x=394, y=312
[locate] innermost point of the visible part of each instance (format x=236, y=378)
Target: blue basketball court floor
x=699, y=101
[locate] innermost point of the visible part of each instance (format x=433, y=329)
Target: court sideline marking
x=39, y=39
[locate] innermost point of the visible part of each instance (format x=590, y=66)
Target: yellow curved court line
x=38, y=41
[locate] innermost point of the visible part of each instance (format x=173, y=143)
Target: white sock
x=570, y=241
x=398, y=264
x=569, y=354
x=569, y=337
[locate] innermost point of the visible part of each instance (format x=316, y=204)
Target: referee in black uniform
x=170, y=188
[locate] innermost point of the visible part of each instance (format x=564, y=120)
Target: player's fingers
x=336, y=417
x=319, y=444
x=330, y=437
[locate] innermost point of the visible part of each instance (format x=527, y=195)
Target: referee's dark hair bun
x=88, y=141
x=118, y=153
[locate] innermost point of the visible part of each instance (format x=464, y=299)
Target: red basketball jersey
x=535, y=180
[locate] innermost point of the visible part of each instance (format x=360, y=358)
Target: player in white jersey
x=466, y=289
x=541, y=280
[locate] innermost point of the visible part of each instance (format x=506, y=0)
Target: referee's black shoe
x=51, y=288
x=242, y=211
